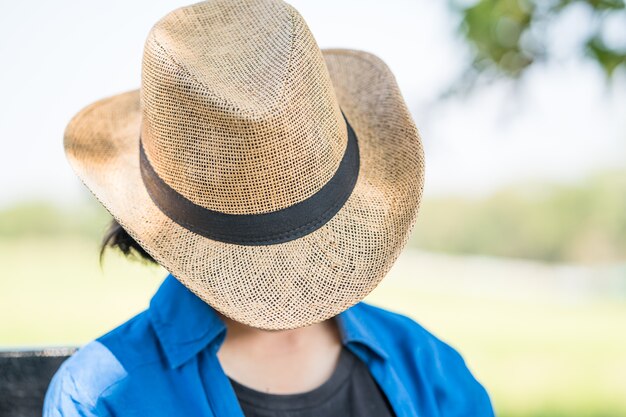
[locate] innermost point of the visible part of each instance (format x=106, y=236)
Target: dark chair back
x=24, y=378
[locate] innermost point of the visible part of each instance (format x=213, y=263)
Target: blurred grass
x=53, y=291
x=543, y=355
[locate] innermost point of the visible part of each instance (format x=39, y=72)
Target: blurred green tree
x=584, y=222
x=507, y=37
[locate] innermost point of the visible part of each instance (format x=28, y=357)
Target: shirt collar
x=355, y=329
x=185, y=324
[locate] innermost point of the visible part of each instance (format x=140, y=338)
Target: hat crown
x=239, y=114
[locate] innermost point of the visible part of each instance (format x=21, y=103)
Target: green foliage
x=508, y=36
x=608, y=58
x=583, y=223
x=495, y=27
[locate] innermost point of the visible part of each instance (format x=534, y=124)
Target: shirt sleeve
x=63, y=399
x=456, y=391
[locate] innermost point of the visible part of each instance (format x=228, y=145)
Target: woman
x=277, y=183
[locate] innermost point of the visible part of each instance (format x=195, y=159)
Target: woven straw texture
x=240, y=112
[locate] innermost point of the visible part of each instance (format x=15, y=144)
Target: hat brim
x=291, y=284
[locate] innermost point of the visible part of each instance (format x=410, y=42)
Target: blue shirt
x=163, y=362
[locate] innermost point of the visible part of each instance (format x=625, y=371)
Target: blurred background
x=518, y=258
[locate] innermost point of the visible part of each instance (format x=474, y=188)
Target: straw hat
x=277, y=181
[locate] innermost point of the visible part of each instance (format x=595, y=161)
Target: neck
x=280, y=361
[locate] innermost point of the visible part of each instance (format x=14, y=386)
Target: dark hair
x=118, y=238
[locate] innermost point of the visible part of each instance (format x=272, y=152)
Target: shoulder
x=404, y=337
x=81, y=380
x=428, y=362
x=85, y=377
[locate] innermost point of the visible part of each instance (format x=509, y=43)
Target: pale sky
x=559, y=124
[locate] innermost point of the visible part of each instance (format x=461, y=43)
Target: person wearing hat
x=277, y=183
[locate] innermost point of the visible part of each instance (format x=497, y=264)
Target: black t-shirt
x=349, y=392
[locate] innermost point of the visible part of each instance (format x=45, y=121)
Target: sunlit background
x=518, y=258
